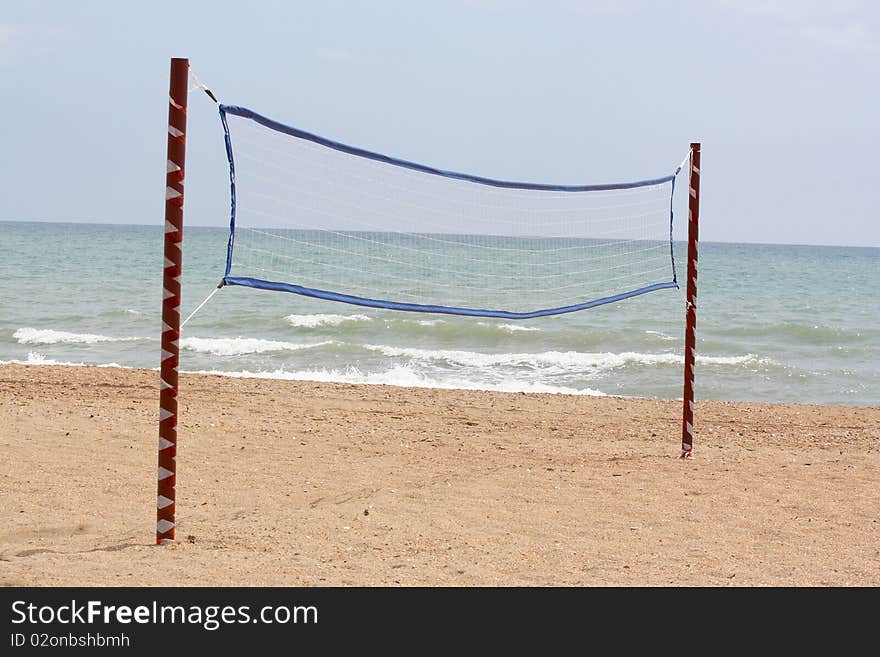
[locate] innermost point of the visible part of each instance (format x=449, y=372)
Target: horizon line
x=94, y=222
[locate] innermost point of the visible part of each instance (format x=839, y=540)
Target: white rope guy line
x=683, y=162
x=201, y=85
x=200, y=306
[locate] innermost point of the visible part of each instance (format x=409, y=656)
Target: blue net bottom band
x=447, y=310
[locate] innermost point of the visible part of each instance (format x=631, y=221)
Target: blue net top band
x=387, y=159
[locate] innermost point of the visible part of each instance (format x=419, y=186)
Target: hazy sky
x=783, y=95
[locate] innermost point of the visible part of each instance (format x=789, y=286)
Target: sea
x=775, y=323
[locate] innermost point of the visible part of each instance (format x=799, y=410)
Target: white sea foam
x=748, y=359
x=405, y=376
x=410, y=375
x=660, y=335
x=29, y=335
x=241, y=346
x=563, y=361
x=314, y=321
x=398, y=375
x=36, y=358
x=510, y=328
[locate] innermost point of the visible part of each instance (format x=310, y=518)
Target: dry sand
x=290, y=483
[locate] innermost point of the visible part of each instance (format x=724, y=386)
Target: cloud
x=497, y=5
x=852, y=37
x=765, y=8
x=334, y=54
x=7, y=35
x=579, y=7
x=849, y=26
x=13, y=35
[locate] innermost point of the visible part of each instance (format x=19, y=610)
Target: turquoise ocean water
x=775, y=323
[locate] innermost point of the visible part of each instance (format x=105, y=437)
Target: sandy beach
x=299, y=483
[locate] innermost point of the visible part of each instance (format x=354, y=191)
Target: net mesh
x=324, y=219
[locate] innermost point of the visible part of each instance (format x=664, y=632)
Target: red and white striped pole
x=167, y=472
x=690, y=335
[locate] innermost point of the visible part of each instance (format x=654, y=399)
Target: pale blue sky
x=784, y=96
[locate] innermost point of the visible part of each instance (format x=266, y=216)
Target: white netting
x=316, y=217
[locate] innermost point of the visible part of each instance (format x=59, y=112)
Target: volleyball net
x=320, y=218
